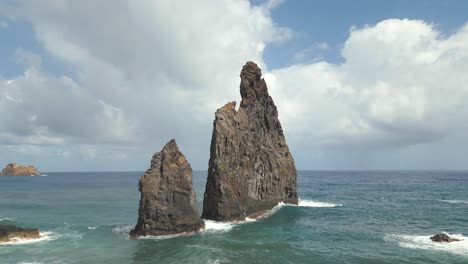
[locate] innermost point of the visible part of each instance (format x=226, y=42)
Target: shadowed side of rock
x=168, y=201
x=250, y=168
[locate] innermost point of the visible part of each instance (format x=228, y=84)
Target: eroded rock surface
x=250, y=169
x=168, y=202
x=7, y=232
x=14, y=169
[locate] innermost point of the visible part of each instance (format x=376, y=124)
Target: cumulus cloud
x=402, y=83
x=143, y=72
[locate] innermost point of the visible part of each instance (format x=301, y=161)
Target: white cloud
x=146, y=72
x=149, y=71
x=402, y=83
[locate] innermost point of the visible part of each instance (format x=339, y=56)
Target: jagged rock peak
x=250, y=169
x=168, y=201
x=252, y=87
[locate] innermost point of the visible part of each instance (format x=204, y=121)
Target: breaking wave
x=45, y=236
x=424, y=242
x=310, y=203
x=218, y=227
x=123, y=229
x=455, y=201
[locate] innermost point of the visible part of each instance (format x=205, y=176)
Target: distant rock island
x=7, y=232
x=14, y=169
x=250, y=169
x=443, y=238
x=168, y=203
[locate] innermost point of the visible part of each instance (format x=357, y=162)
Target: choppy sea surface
x=343, y=217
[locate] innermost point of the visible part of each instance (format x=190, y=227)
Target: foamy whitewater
x=425, y=243
x=456, y=201
x=342, y=217
x=221, y=227
x=44, y=236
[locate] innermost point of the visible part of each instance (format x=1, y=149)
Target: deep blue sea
x=343, y=217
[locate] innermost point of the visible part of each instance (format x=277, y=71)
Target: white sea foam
x=218, y=227
x=165, y=236
x=6, y=219
x=91, y=227
x=310, y=203
x=123, y=229
x=44, y=175
x=222, y=227
x=45, y=236
x=424, y=242
x=455, y=201
x=217, y=261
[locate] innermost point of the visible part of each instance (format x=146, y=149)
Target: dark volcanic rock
x=8, y=232
x=443, y=238
x=14, y=169
x=168, y=202
x=250, y=169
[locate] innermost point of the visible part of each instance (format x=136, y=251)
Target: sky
x=359, y=85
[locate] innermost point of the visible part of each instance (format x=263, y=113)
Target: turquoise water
x=344, y=217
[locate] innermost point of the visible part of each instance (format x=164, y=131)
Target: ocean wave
x=91, y=227
x=217, y=261
x=424, y=242
x=6, y=219
x=212, y=226
x=45, y=236
x=166, y=236
x=455, y=201
x=123, y=229
x=218, y=227
x=310, y=203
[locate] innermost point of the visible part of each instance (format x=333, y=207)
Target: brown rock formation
x=250, y=168
x=7, y=232
x=14, y=169
x=168, y=202
x=443, y=238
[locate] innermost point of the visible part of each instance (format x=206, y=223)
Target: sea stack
x=168, y=202
x=251, y=169
x=14, y=169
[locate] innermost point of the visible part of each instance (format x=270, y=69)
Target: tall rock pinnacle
x=250, y=169
x=168, y=202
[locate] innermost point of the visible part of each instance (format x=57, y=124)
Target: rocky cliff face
x=168, y=203
x=250, y=169
x=14, y=169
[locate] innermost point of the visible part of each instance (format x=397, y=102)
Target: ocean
x=343, y=217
